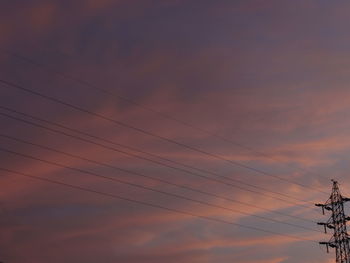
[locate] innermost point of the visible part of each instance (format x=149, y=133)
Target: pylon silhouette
x=337, y=223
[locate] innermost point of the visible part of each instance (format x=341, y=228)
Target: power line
x=87, y=84
x=154, y=205
x=120, y=123
x=143, y=152
x=153, y=161
x=149, y=177
x=151, y=189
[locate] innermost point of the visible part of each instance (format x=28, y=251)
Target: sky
x=171, y=130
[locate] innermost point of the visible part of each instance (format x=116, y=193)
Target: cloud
x=246, y=71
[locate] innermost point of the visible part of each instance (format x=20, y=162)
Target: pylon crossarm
x=326, y=225
x=345, y=199
x=330, y=226
x=326, y=244
x=328, y=208
x=332, y=245
x=322, y=206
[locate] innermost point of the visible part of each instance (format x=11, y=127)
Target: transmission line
x=140, y=151
x=151, y=134
x=165, y=165
x=87, y=84
x=150, y=177
x=151, y=189
x=154, y=205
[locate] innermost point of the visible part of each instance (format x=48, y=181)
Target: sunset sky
x=163, y=131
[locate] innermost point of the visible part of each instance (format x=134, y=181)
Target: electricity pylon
x=337, y=222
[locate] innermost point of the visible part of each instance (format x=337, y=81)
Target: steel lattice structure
x=337, y=222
